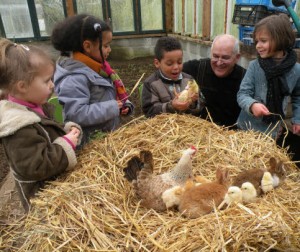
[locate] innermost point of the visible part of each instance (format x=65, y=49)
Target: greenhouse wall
x=135, y=28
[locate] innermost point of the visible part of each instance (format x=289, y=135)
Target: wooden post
x=169, y=16
x=70, y=8
x=195, y=18
x=183, y=17
x=226, y=13
x=206, y=19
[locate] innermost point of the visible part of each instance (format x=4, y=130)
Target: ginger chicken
x=148, y=186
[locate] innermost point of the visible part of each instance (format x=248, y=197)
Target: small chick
x=233, y=195
x=190, y=89
x=171, y=197
x=249, y=192
x=267, y=182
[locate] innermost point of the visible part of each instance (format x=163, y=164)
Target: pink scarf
x=34, y=107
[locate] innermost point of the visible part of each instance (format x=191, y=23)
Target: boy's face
x=171, y=64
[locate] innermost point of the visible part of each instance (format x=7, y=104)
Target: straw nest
x=94, y=208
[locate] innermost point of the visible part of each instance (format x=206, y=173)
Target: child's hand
x=120, y=104
x=259, y=109
x=180, y=106
x=296, y=129
x=195, y=97
x=124, y=110
x=73, y=135
x=75, y=130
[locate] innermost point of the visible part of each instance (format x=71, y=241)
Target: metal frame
x=106, y=7
x=34, y=21
x=134, y=19
x=141, y=22
x=2, y=30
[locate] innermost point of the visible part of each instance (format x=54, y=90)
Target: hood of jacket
x=14, y=117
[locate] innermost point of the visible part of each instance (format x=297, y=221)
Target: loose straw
x=135, y=86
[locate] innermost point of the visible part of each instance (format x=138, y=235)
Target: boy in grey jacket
x=161, y=89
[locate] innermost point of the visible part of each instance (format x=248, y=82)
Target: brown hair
x=280, y=29
x=20, y=63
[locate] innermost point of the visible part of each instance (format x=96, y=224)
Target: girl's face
x=171, y=64
x=94, y=51
x=41, y=87
x=264, y=45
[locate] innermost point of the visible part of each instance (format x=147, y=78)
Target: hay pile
x=94, y=208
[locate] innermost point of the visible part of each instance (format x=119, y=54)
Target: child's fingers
x=194, y=96
x=180, y=105
x=75, y=130
x=74, y=133
x=296, y=129
x=176, y=93
x=265, y=110
x=259, y=109
x=120, y=104
x=124, y=111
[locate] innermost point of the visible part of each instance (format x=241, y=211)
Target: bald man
x=219, y=78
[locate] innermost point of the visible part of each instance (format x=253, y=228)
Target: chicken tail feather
x=147, y=159
x=132, y=169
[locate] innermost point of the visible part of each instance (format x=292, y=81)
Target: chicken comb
x=193, y=147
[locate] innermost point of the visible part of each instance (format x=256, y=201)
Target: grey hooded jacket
x=88, y=98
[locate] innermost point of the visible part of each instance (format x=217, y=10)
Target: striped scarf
x=105, y=71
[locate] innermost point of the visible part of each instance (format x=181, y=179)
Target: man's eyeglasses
x=222, y=59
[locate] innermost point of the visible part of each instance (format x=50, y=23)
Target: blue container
x=267, y=3
x=245, y=32
x=249, y=15
x=297, y=43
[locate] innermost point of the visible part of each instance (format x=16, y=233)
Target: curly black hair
x=166, y=44
x=68, y=35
